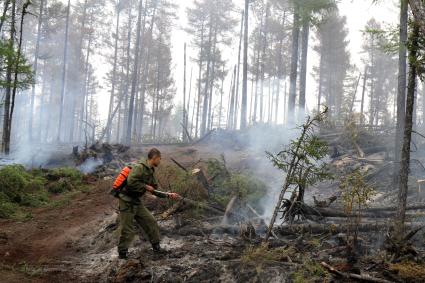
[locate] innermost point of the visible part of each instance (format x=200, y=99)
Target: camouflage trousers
x=130, y=212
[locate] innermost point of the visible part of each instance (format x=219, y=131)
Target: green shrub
x=227, y=184
x=32, y=188
x=7, y=208
x=60, y=186
x=70, y=173
x=13, y=182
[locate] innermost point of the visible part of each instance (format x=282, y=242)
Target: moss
x=262, y=254
x=311, y=271
x=409, y=271
x=66, y=172
x=20, y=188
x=60, y=186
x=13, y=182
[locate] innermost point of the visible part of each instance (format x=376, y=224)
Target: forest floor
x=76, y=241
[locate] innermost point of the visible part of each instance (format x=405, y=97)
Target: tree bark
x=114, y=71
x=418, y=9
x=16, y=66
x=230, y=118
x=207, y=78
x=35, y=67
x=184, y=125
x=408, y=125
x=134, y=75
x=199, y=80
x=401, y=89
x=303, y=74
x=257, y=73
x=363, y=96
x=8, y=91
x=64, y=71
x=145, y=75
x=3, y=16
x=238, y=71
x=294, y=66
x=244, y=104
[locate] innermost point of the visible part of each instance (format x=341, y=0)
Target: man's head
x=154, y=157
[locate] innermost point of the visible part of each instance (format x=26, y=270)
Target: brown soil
x=47, y=239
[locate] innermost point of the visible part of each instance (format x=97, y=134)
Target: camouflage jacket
x=141, y=175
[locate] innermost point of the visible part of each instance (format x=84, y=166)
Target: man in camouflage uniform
x=140, y=180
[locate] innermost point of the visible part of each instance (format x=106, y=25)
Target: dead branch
x=361, y=277
x=179, y=165
x=186, y=133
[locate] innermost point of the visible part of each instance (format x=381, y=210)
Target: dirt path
x=46, y=240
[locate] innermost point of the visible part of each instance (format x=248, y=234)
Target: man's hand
x=174, y=196
x=150, y=188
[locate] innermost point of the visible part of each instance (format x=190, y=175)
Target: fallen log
x=186, y=133
x=412, y=207
x=333, y=229
x=327, y=212
x=360, y=152
x=173, y=209
x=228, y=210
x=202, y=138
x=361, y=277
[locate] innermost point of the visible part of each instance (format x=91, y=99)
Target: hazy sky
x=358, y=12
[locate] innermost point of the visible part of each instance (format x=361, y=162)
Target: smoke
x=264, y=138
x=90, y=165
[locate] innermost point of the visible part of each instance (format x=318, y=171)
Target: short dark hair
x=154, y=152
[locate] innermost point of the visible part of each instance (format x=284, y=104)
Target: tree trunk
x=363, y=96
x=408, y=124
x=401, y=90
x=319, y=95
x=3, y=16
x=35, y=67
x=231, y=101
x=294, y=66
x=303, y=74
x=199, y=80
x=127, y=75
x=8, y=91
x=263, y=59
x=211, y=87
x=16, y=66
x=184, y=125
x=207, y=78
x=244, y=104
x=220, y=110
x=145, y=75
x=238, y=72
x=257, y=74
x=64, y=71
x=279, y=67
x=188, y=103
x=418, y=9
x=114, y=71
x=134, y=75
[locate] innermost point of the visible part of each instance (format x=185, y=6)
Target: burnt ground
x=77, y=242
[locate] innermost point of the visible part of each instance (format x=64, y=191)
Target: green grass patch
x=311, y=271
x=21, y=189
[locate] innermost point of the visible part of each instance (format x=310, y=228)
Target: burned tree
x=301, y=163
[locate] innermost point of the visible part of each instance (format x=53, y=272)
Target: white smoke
x=90, y=165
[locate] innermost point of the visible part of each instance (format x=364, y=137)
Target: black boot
x=157, y=249
x=122, y=254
